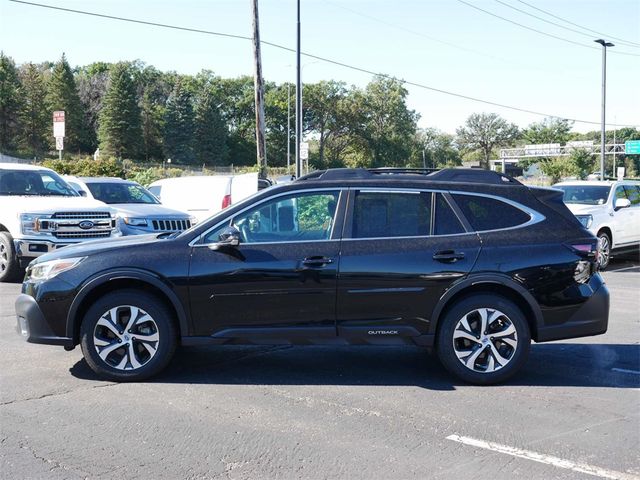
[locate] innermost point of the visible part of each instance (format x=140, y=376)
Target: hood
x=582, y=209
x=146, y=210
x=50, y=204
x=95, y=246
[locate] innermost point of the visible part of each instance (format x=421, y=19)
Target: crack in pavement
x=47, y=395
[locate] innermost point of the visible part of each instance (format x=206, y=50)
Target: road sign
x=304, y=150
x=58, y=124
x=632, y=147
x=59, y=143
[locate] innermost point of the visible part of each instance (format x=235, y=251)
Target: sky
x=442, y=44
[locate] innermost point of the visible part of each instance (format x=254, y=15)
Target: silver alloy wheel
x=126, y=337
x=4, y=258
x=604, y=251
x=485, y=340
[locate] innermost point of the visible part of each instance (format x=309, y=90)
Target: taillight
x=226, y=201
x=588, y=250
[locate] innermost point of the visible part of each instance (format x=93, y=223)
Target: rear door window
x=391, y=214
x=446, y=222
x=485, y=213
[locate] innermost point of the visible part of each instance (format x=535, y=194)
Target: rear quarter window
x=484, y=213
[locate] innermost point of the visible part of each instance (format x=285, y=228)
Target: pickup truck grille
x=171, y=225
x=78, y=225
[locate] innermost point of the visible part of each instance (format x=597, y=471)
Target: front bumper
x=592, y=318
x=29, y=248
x=33, y=326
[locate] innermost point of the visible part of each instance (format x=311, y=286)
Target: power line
x=540, y=31
x=552, y=23
x=579, y=26
x=309, y=55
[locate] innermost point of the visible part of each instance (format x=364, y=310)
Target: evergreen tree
x=36, y=123
x=178, y=130
x=210, y=132
x=10, y=105
x=120, y=130
x=62, y=94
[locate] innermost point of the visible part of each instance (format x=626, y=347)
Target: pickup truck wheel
x=604, y=250
x=483, y=339
x=9, y=265
x=128, y=336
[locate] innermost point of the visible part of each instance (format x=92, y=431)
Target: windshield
x=112, y=192
x=34, y=183
x=585, y=194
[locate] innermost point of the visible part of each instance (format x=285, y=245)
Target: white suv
x=610, y=210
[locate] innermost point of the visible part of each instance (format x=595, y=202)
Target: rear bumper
x=592, y=318
x=33, y=326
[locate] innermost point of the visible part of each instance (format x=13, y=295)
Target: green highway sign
x=632, y=147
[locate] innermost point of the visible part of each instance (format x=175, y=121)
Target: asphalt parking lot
x=328, y=412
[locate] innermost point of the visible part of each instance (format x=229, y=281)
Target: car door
x=623, y=218
x=633, y=194
x=281, y=279
x=401, y=249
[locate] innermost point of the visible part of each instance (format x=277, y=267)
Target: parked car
x=202, y=196
x=610, y=210
x=470, y=262
x=40, y=213
x=138, y=210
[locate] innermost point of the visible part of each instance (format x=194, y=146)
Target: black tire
x=127, y=370
x=483, y=369
x=604, y=250
x=9, y=265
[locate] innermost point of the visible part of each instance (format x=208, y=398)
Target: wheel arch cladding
x=513, y=292
x=97, y=288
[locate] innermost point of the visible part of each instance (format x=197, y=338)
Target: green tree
x=483, y=132
x=210, y=132
x=120, y=123
x=91, y=81
x=10, y=105
x=178, y=130
x=583, y=162
x=36, y=123
x=549, y=130
x=435, y=149
x=557, y=168
x=62, y=94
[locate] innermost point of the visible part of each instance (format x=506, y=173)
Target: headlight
x=585, y=220
x=28, y=224
x=193, y=220
x=135, y=222
x=47, y=270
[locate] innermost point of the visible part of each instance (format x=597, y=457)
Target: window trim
x=339, y=215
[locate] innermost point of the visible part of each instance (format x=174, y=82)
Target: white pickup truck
x=40, y=212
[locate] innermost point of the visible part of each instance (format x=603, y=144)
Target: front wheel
x=604, y=250
x=128, y=336
x=9, y=265
x=483, y=339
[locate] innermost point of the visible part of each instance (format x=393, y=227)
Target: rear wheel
x=483, y=339
x=9, y=266
x=128, y=336
x=604, y=250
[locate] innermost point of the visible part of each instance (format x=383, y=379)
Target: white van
x=202, y=196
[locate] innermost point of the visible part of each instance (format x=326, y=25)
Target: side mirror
x=230, y=237
x=621, y=203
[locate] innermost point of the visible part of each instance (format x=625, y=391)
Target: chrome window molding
x=340, y=190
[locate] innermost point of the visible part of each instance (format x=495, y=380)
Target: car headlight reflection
x=135, y=222
x=47, y=270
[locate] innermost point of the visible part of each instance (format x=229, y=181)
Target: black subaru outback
x=472, y=263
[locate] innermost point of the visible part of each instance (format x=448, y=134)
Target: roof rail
x=464, y=175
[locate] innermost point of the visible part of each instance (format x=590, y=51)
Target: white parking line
x=541, y=458
x=624, y=370
x=623, y=268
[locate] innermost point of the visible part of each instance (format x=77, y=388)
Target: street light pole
x=604, y=101
x=298, y=101
x=288, y=127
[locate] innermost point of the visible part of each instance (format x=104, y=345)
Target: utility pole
x=298, y=101
x=604, y=101
x=261, y=144
x=288, y=128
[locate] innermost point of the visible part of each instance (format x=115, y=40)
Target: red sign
x=58, y=116
x=58, y=124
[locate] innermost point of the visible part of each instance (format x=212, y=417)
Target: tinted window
x=112, y=192
x=299, y=217
x=485, y=213
x=620, y=192
x=585, y=194
x=633, y=194
x=447, y=222
x=391, y=214
x=30, y=182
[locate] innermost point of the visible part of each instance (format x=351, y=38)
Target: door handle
x=316, y=261
x=448, y=256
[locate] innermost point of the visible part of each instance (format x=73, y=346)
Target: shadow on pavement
x=555, y=364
